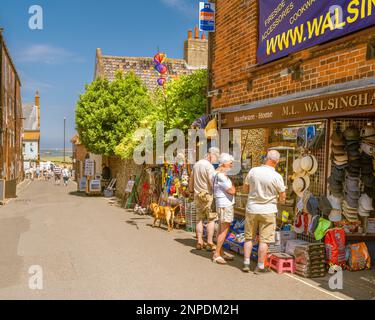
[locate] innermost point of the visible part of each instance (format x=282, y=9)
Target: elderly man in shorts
x=265, y=187
x=201, y=186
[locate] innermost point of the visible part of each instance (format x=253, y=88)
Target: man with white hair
x=265, y=187
x=201, y=186
x=224, y=193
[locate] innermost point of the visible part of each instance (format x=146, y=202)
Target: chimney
x=196, y=50
x=196, y=32
x=190, y=34
x=37, y=105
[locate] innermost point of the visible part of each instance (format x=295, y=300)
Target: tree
x=179, y=104
x=108, y=112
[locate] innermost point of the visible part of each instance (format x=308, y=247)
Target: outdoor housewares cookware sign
x=287, y=26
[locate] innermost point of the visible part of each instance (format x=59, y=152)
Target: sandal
x=219, y=260
x=200, y=246
x=228, y=257
x=210, y=247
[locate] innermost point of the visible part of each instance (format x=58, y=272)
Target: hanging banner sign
x=287, y=26
x=207, y=16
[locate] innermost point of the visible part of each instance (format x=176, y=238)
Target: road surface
x=88, y=248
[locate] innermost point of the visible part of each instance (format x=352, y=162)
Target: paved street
x=90, y=249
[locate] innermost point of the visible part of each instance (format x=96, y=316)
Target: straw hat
x=300, y=185
x=297, y=166
x=309, y=164
x=368, y=133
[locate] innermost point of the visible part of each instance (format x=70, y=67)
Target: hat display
x=338, y=139
x=368, y=180
x=336, y=203
x=312, y=206
x=366, y=203
x=322, y=228
x=299, y=224
x=352, y=134
x=368, y=149
x=336, y=150
x=341, y=158
x=338, y=174
x=335, y=215
x=368, y=133
x=300, y=185
x=325, y=206
x=297, y=166
x=352, y=203
x=310, y=164
x=313, y=224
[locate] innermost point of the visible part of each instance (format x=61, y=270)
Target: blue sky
x=59, y=60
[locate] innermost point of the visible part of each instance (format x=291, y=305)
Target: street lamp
x=64, y=136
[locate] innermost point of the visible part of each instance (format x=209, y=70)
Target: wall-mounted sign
x=287, y=26
x=334, y=105
x=207, y=16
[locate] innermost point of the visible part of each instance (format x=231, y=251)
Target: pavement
x=90, y=248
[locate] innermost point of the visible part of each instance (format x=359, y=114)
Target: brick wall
x=122, y=170
x=234, y=59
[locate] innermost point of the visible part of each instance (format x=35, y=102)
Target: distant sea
x=55, y=153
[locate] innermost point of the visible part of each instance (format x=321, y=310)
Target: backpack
x=358, y=257
x=335, y=247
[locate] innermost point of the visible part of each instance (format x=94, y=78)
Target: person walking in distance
x=201, y=186
x=57, y=173
x=65, y=175
x=265, y=187
x=224, y=193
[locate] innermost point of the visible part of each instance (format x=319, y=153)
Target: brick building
x=318, y=88
x=31, y=132
x=11, y=162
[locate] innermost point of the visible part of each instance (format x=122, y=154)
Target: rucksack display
x=335, y=243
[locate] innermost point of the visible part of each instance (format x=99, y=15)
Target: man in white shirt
x=201, y=186
x=265, y=187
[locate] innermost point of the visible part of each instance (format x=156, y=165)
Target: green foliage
x=184, y=101
x=109, y=112
x=178, y=105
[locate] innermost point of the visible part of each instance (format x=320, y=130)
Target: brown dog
x=163, y=213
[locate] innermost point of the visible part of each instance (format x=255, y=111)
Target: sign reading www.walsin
x=287, y=26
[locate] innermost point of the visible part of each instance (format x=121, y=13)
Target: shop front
x=327, y=147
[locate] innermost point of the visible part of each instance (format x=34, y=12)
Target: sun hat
x=338, y=174
x=299, y=224
x=343, y=158
x=336, y=202
x=368, y=133
x=362, y=212
x=300, y=185
x=335, y=184
x=305, y=198
x=309, y=164
x=370, y=191
x=312, y=206
x=313, y=224
x=324, y=205
x=368, y=180
x=338, y=150
x=355, y=163
x=352, y=203
x=340, y=163
x=335, y=215
x=338, y=139
x=297, y=166
x=322, y=228
x=352, y=184
x=352, y=134
x=366, y=202
x=368, y=149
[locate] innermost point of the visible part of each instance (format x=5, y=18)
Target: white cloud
x=47, y=54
